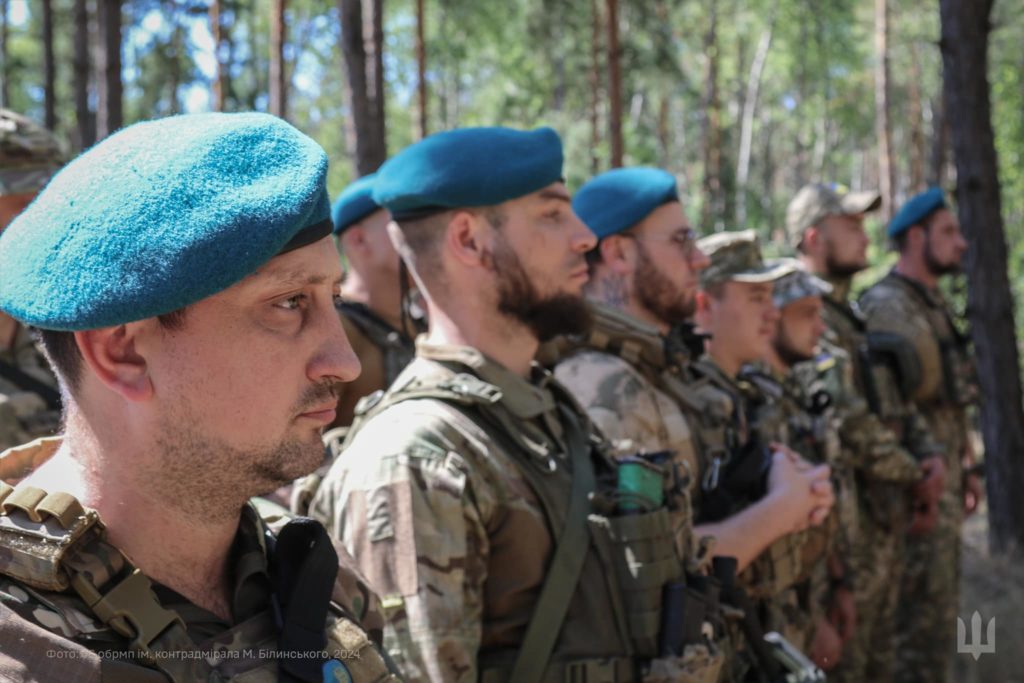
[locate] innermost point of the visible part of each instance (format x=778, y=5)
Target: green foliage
x=531, y=62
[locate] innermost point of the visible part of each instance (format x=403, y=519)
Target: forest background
x=744, y=101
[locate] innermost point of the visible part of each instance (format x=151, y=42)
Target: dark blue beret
x=354, y=203
x=160, y=215
x=619, y=199
x=468, y=167
x=916, y=209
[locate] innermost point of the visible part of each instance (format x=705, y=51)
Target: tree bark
x=83, y=68
x=421, y=68
x=710, y=213
x=109, y=95
x=362, y=88
x=49, y=68
x=916, y=114
x=595, y=86
x=614, y=84
x=373, y=39
x=5, y=75
x=883, y=130
x=747, y=124
x=217, y=31
x=964, y=43
x=278, y=85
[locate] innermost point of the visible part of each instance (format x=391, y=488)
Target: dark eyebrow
x=555, y=194
x=300, y=278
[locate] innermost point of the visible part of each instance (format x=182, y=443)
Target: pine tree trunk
x=614, y=84
x=373, y=39
x=361, y=88
x=916, y=114
x=747, y=122
x=278, y=85
x=710, y=214
x=83, y=68
x=49, y=68
x=595, y=86
x=965, y=35
x=883, y=130
x=421, y=69
x=217, y=31
x=109, y=97
x=5, y=75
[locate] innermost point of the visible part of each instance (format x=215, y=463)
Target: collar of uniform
x=523, y=398
x=841, y=287
x=714, y=372
x=20, y=461
x=250, y=590
x=933, y=297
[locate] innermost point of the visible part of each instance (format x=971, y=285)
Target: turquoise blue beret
x=354, y=203
x=916, y=209
x=160, y=215
x=467, y=167
x=619, y=199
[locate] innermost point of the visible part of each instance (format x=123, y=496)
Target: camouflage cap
x=815, y=201
x=29, y=154
x=797, y=284
x=737, y=256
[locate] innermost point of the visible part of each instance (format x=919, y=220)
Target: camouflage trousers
x=926, y=618
x=877, y=564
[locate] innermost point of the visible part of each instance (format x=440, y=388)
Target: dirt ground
x=994, y=586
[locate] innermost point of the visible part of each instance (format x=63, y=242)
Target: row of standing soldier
x=568, y=488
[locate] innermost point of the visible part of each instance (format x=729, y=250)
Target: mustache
x=318, y=394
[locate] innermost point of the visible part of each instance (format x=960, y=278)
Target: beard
x=545, y=316
x=789, y=354
x=934, y=265
x=839, y=269
x=212, y=478
x=656, y=293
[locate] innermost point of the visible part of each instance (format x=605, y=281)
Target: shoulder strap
x=563, y=573
x=465, y=393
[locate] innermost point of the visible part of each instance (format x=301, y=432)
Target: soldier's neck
x=380, y=292
x=181, y=551
x=726, y=362
x=498, y=337
x=612, y=291
x=841, y=286
x=916, y=270
x=779, y=367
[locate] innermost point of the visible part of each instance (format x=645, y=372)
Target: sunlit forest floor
x=994, y=586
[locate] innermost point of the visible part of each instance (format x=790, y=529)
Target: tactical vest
x=939, y=365
x=623, y=560
x=51, y=543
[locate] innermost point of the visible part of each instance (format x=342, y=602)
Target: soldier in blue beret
x=371, y=306
x=464, y=484
x=183, y=278
x=908, y=307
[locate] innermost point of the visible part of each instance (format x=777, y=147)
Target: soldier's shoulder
x=36, y=644
x=600, y=378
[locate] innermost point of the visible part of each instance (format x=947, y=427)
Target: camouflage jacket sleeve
x=33, y=654
x=630, y=411
x=405, y=508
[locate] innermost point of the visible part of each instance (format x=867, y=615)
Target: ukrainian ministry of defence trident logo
x=976, y=648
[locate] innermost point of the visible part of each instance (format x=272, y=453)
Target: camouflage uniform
x=944, y=389
x=382, y=350
x=778, y=579
x=448, y=494
x=884, y=470
x=29, y=155
x=52, y=628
